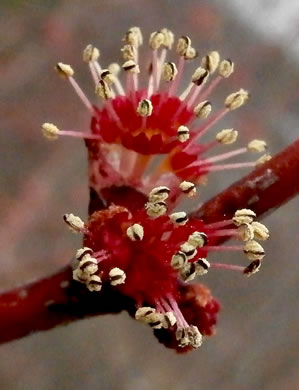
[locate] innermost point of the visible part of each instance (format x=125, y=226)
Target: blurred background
x=257, y=341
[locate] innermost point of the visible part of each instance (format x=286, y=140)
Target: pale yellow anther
x=183, y=133
x=202, y=266
x=260, y=231
x=226, y=68
x=203, y=109
x=169, y=71
x=156, y=40
x=246, y=232
x=200, y=76
x=183, y=44
x=211, y=61
x=243, y=216
x=129, y=53
x=134, y=37
x=159, y=194
x=94, y=283
x=156, y=209
x=64, y=70
x=114, y=68
x=75, y=223
x=90, y=53
x=103, y=90
x=189, y=250
x=117, y=276
x=80, y=276
x=227, y=136
x=131, y=66
x=50, y=131
x=198, y=239
x=191, y=53
x=145, y=108
x=257, y=145
x=168, y=38
x=83, y=252
x=253, y=267
x=107, y=77
x=149, y=316
x=143, y=312
x=254, y=250
x=236, y=99
x=169, y=320
x=179, y=218
x=188, y=188
x=263, y=159
x=88, y=264
x=188, y=272
x=135, y=232
x=178, y=260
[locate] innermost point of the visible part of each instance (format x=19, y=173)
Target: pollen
x=117, y=276
x=236, y=99
x=257, y=145
x=188, y=188
x=227, y=136
x=50, y=131
x=64, y=70
x=203, y=109
x=74, y=223
x=135, y=232
x=91, y=53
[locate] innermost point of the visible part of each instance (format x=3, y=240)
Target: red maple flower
x=145, y=156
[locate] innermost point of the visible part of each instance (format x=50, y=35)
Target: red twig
x=55, y=300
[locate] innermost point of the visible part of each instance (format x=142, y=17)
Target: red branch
x=43, y=304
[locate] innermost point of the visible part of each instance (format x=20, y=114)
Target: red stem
x=43, y=304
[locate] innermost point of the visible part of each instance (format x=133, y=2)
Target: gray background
x=257, y=340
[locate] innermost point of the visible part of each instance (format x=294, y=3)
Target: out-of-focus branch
x=55, y=300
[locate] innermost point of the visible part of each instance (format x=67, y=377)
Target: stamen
x=226, y=68
x=227, y=136
x=83, y=252
x=94, y=283
x=155, y=210
x=257, y=145
x=178, y=260
x=169, y=71
x=236, y=99
x=129, y=53
x=202, y=266
x=263, y=159
x=67, y=72
x=115, y=69
x=252, y=268
x=203, y=110
x=145, y=108
x=52, y=132
x=211, y=61
x=189, y=250
x=188, y=188
x=135, y=232
x=134, y=37
x=243, y=216
x=198, y=239
x=88, y=265
x=159, y=194
x=117, y=276
x=75, y=223
x=260, y=231
x=103, y=90
x=179, y=218
x=254, y=250
x=183, y=133
x=90, y=54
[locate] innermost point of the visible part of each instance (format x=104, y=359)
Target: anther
x=131, y=66
x=188, y=272
x=169, y=320
x=129, y=53
x=50, y=131
x=149, y=316
x=145, y=107
x=117, y=276
x=202, y=266
x=74, y=223
x=227, y=136
x=253, y=267
x=159, y=194
x=184, y=43
x=236, y=99
x=200, y=76
x=191, y=53
x=107, y=76
x=168, y=38
x=94, y=283
x=169, y=71
x=243, y=216
x=263, y=159
x=198, y=239
x=189, y=250
x=211, y=61
x=188, y=188
x=195, y=337
x=144, y=311
x=257, y=145
x=178, y=260
x=183, y=133
x=203, y=109
x=156, y=40
x=260, y=231
x=135, y=232
x=90, y=53
x=88, y=265
x=226, y=68
x=103, y=90
x=134, y=37
x=83, y=252
x=114, y=68
x=64, y=70
x=80, y=276
x=246, y=232
x=254, y=250
x=180, y=218
x=156, y=209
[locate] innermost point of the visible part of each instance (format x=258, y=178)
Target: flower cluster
x=147, y=140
